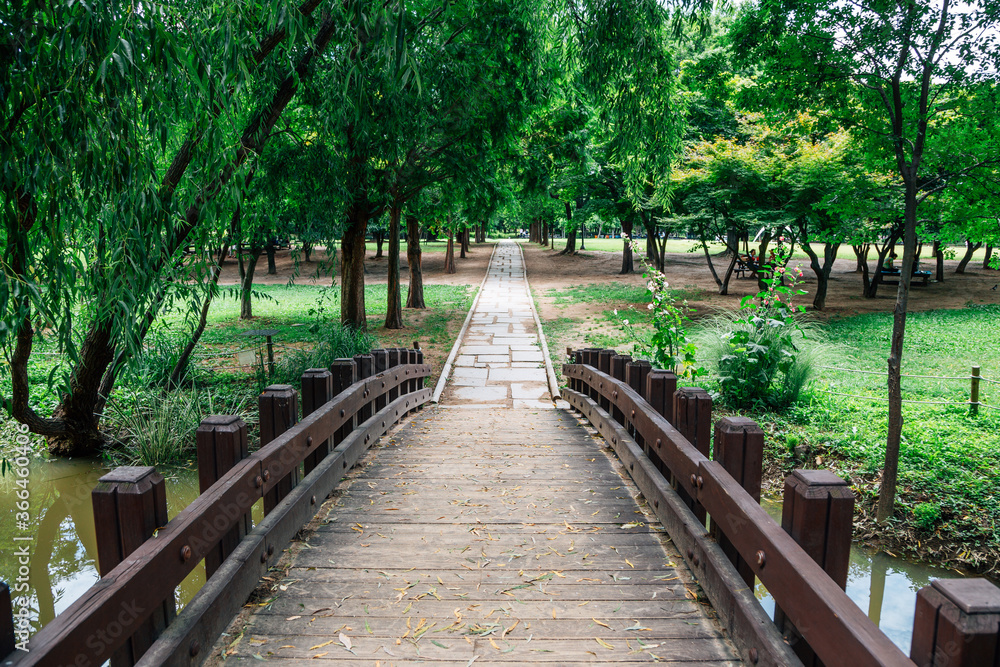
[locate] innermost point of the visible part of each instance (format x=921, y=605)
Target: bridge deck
x=488, y=533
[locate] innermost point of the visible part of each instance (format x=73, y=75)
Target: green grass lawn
x=949, y=462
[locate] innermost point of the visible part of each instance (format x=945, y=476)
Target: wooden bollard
x=381, y=363
x=344, y=375
x=818, y=513
x=317, y=390
x=974, y=391
x=130, y=503
x=8, y=640
x=618, y=365
x=693, y=413
x=604, y=365
x=420, y=360
x=739, y=447
x=957, y=624
x=393, y=360
x=221, y=441
x=660, y=388
x=279, y=411
x=635, y=376
x=365, y=365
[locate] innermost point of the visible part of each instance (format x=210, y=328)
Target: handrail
x=101, y=620
x=835, y=628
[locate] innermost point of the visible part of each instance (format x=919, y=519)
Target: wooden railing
x=128, y=616
x=664, y=437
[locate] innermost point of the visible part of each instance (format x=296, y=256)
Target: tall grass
x=335, y=342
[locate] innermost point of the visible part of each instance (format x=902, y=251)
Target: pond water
x=63, y=546
x=882, y=585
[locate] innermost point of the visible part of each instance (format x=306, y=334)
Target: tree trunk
x=544, y=240
x=272, y=269
x=307, y=249
x=352, y=268
x=970, y=249
x=180, y=368
x=415, y=296
x=464, y=247
x=379, y=242
x=822, y=271
x=628, y=264
x=570, y=248
x=449, y=257
x=394, y=296
x=723, y=287
x=583, y=236
x=938, y=252
x=246, y=285
x=861, y=254
x=887, y=490
x=989, y=255
x=552, y=235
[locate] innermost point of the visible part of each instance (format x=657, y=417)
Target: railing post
x=365, y=364
x=577, y=384
x=344, y=373
x=317, y=390
x=7, y=639
x=818, y=513
x=635, y=376
x=393, y=360
x=419, y=360
x=590, y=358
x=618, y=364
x=381, y=363
x=660, y=388
x=130, y=503
x=957, y=624
x=279, y=411
x=739, y=447
x=974, y=391
x=604, y=365
x=693, y=412
x=222, y=443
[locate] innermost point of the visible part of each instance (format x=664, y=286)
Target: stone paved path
x=500, y=362
x=489, y=531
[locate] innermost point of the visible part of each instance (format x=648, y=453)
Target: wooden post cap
x=128, y=475
x=972, y=596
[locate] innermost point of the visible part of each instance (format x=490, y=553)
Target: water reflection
x=63, y=562
x=884, y=585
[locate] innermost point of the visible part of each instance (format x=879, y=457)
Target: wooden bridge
x=494, y=527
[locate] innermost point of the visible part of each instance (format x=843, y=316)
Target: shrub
x=759, y=354
x=153, y=428
x=335, y=342
x=926, y=515
x=153, y=366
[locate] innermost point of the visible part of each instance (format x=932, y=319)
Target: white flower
x=616, y=311
x=649, y=307
x=625, y=322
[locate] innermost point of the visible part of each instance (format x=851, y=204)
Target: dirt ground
x=470, y=271
x=547, y=270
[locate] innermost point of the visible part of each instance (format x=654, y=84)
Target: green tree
x=896, y=72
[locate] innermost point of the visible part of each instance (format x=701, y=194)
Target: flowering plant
x=669, y=347
x=759, y=362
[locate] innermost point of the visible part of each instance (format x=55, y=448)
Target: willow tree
x=123, y=133
x=900, y=73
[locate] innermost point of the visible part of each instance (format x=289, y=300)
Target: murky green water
x=882, y=585
x=60, y=531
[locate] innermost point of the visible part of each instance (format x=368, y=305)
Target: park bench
x=920, y=278
x=744, y=266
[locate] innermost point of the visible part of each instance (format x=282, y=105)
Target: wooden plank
x=551, y=558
